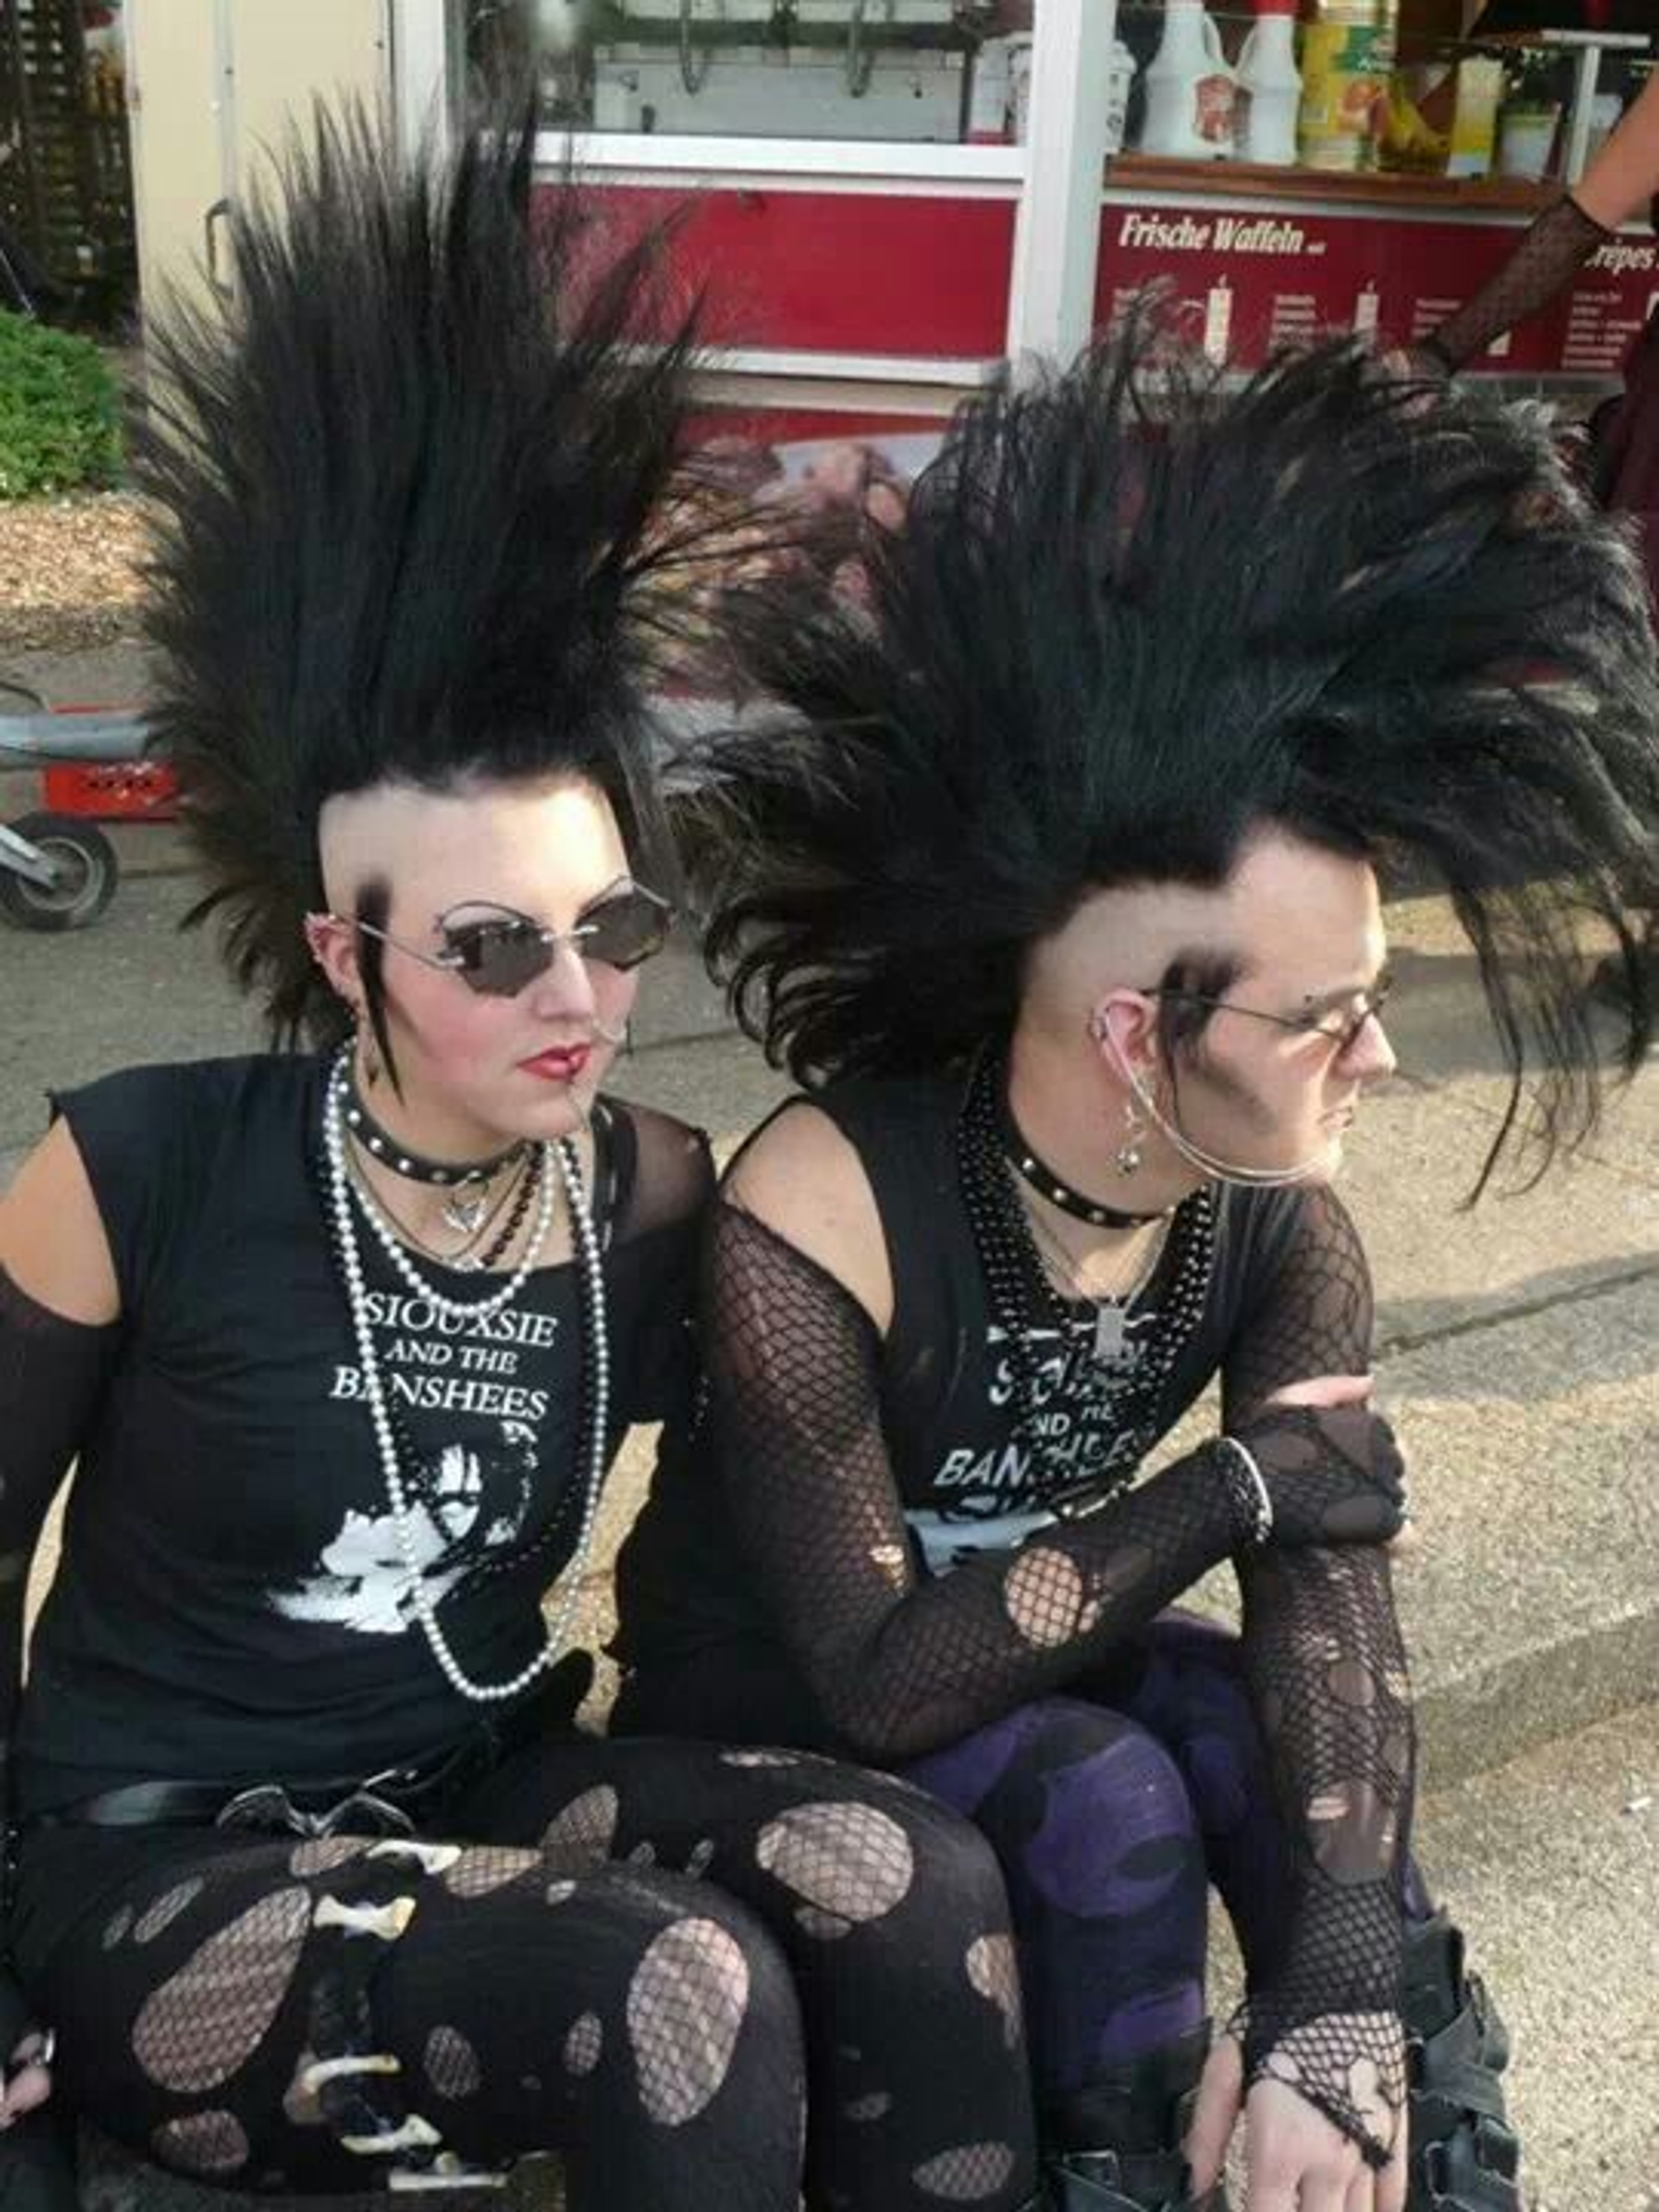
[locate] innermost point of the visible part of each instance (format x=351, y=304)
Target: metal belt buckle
x=365, y=1806
x=266, y=1806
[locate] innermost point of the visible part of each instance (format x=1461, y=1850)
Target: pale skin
x=549, y=849
x=1624, y=175
x=1305, y=926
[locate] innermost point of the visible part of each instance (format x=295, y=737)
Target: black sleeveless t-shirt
x=232, y=1600
x=699, y=1638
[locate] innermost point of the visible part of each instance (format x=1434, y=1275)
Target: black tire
x=87, y=889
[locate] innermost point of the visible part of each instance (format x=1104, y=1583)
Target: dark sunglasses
x=1343, y=1031
x=500, y=951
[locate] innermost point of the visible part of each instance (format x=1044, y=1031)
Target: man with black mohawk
x=343, y=1340
x=1055, y=884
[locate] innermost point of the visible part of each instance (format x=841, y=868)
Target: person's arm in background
x=59, y=1305
x=1619, y=184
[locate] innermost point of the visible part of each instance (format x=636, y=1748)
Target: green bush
x=60, y=422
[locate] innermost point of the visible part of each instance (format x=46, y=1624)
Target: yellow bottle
x=1347, y=59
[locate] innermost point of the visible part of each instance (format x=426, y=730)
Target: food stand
x=890, y=200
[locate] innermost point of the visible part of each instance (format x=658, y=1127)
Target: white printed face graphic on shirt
x=464, y=1505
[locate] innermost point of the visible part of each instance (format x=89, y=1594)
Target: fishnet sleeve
x=1313, y=1318
x=1549, y=254
x=900, y=1662
x=1327, y=1666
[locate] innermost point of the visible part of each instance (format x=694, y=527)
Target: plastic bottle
x=1269, y=87
x=1190, y=90
x=1347, y=59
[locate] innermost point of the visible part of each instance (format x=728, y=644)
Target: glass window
x=938, y=71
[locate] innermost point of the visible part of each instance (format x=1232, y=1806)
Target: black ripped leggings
x=645, y=1957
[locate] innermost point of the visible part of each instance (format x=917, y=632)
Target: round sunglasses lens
x=624, y=931
x=500, y=962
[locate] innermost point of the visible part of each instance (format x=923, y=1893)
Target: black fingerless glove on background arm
x=1544, y=263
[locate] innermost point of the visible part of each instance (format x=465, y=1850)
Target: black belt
x=396, y=1801
x=270, y=1807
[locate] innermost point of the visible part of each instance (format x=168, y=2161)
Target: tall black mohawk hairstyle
x=1132, y=615
x=411, y=524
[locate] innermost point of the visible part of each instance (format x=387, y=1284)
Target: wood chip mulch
x=69, y=571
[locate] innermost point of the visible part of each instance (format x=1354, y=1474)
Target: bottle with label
x=1190, y=90
x=1347, y=59
x=1269, y=87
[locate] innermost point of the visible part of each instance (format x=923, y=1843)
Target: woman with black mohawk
x=1055, y=884
x=344, y=1341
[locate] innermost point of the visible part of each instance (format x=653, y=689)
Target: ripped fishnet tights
x=1550, y=254
x=661, y=1957
x=902, y=1663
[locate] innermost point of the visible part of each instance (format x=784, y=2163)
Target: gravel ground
x=69, y=571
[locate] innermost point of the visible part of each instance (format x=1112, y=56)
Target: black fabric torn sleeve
x=1550, y=254
x=51, y=1375
x=1327, y=1671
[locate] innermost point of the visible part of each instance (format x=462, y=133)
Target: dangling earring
x=1135, y=1128
x=371, y=1058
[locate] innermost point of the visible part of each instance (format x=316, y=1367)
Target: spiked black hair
x=410, y=492
x=1132, y=617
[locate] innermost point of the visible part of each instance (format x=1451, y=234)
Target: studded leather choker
x=402, y=1160
x=1035, y=1172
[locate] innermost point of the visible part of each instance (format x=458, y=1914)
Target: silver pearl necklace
x=591, y=1458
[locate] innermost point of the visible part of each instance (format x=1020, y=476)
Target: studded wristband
x=1255, y=1506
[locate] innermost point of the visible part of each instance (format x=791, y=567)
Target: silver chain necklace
x=343, y=1191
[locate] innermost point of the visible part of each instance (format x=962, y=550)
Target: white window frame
x=1055, y=176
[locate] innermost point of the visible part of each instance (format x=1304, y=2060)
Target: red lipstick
x=561, y=1063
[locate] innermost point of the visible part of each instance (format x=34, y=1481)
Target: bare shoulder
x=800, y=1175
x=52, y=1243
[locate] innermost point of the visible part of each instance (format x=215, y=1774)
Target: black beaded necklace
x=1133, y=1355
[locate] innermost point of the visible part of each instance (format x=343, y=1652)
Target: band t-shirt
x=233, y=1601
x=703, y=1642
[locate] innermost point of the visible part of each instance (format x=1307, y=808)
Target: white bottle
x=1190, y=90
x=1269, y=86
x=1119, y=82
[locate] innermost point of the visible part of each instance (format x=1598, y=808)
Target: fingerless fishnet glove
x=1545, y=262
x=1326, y=1668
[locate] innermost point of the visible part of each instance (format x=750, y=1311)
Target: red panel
x=1286, y=274
x=131, y=791
x=834, y=272
x=779, y=426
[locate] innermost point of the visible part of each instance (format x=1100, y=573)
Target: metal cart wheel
x=87, y=867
